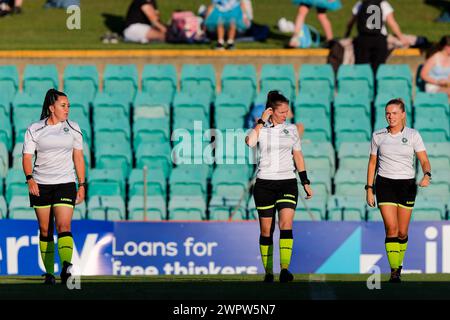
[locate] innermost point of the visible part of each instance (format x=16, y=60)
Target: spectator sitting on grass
x=143, y=24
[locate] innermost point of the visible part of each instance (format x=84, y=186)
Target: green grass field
x=305, y=287
x=38, y=28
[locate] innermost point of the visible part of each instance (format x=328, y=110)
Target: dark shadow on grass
x=222, y=290
x=114, y=23
x=443, y=5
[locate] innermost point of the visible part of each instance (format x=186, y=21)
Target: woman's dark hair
x=51, y=97
x=398, y=102
x=274, y=99
x=445, y=41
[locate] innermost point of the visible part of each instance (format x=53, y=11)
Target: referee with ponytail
x=276, y=183
x=392, y=159
x=57, y=144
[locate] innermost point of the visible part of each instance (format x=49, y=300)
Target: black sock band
x=401, y=241
x=65, y=234
x=286, y=234
x=48, y=238
x=394, y=239
x=265, y=241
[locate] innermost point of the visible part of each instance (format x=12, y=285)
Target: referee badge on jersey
x=286, y=131
x=404, y=140
x=66, y=130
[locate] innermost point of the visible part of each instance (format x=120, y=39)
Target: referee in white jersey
x=57, y=145
x=276, y=184
x=392, y=159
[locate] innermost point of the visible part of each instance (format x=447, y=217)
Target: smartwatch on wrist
x=367, y=187
x=29, y=177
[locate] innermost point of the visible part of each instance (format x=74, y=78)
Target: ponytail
x=51, y=97
x=274, y=99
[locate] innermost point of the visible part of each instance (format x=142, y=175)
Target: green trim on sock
x=403, y=247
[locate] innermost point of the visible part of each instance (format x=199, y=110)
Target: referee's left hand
x=308, y=191
x=425, y=182
x=80, y=195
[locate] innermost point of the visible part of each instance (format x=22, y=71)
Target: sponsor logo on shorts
x=409, y=202
x=66, y=199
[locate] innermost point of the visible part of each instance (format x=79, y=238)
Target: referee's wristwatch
x=367, y=187
x=261, y=121
x=82, y=184
x=28, y=177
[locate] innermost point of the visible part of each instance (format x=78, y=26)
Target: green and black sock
x=266, y=248
x=403, y=243
x=393, y=251
x=286, y=243
x=65, y=247
x=47, y=249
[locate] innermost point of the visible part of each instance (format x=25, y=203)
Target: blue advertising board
x=181, y=248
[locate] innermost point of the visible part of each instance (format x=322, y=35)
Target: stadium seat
x=277, y=76
x=232, y=106
x=110, y=105
x=4, y=161
x=318, y=130
x=189, y=208
x=5, y=132
x=352, y=105
x=192, y=147
x=309, y=105
x=239, y=78
x=79, y=212
x=428, y=209
x=390, y=76
x=420, y=83
x=350, y=182
x=106, y=182
x=317, y=78
x=155, y=208
x=156, y=183
x=108, y=208
x=154, y=156
x=81, y=80
x=80, y=101
x=227, y=208
x=118, y=129
x=322, y=182
x=5, y=105
x=356, y=78
x=37, y=79
x=19, y=208
x=346, y=208
x=353, y=155
x=313, y=209
x=114, y=155
x=156, y=130
x=17, y=156
x=151, y=106
x=188, y=180
x=15, y=184
x=319, y=156
x=439, y=154
x=121, y=79
x=431, y=105
x=199, y=78
x=9, y=81
x=160, y=79
x=3, y=208
x=190, y=107
x=85, y=124
x=433, y=129
x=352, y=130
x=26, y=110
x=440, y=184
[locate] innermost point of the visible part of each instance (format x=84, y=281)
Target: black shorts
x=271, y=195
x=319, y=10
x=396, y=192
x=63, y=194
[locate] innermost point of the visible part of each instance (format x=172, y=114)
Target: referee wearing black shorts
x=276, y=184
x=57, y=145
x=392, y=159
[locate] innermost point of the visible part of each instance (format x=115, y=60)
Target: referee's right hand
x=370, y=199
x=33, y=187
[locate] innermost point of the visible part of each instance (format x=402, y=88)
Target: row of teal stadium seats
x=225, y=188
x=117, y=130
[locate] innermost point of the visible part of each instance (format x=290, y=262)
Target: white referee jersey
x=275, y=146
x=396, y=152
x=53, y=145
